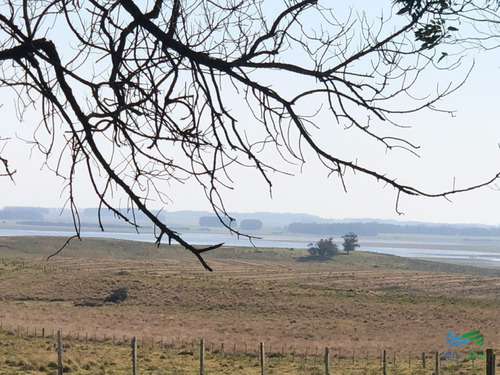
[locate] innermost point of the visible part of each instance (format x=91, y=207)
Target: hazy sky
x=463, y=148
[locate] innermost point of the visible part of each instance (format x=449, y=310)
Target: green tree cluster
x=350, y=242
x=326, y=248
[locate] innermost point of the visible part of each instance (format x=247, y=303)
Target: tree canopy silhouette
x=350, y=242
x=324, y=248
x=134, y=94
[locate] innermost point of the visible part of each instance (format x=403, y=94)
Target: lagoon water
x=194, y=238
x=475, y=253
x=437, y=253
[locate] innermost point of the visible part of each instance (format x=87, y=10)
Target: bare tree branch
x=152, y=95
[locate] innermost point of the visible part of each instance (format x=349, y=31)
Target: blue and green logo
x=453, y=340
x=471, y=337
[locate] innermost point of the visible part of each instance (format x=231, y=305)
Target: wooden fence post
x=437, y=364
x=202, y=355
x=134, y=355
x=384, y=362
x=327, y=361
x=490, y=362
x=423, y=359
x=262, y=355
x=59, y=354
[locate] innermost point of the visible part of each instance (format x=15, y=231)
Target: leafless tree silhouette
x=145, y=92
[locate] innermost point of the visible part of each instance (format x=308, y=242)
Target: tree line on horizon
x=245, y=224
x=36, y=216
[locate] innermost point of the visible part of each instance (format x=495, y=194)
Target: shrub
x=324, y=248
x=117, y=295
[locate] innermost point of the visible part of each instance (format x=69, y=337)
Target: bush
x=324, y=248
x=117, y=295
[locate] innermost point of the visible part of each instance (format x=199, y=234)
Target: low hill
x=43, y=247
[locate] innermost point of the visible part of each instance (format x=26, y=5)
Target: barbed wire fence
x=329, y=359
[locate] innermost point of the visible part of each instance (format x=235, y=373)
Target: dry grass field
x=358, y=302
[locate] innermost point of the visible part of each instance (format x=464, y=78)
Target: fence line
x=259, y=352
x=338, y=353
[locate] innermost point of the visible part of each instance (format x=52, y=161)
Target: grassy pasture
x=361, y=302
x=22, y=354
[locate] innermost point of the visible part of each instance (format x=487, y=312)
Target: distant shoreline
x=447, y=249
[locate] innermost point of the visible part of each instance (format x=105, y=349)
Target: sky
x=463, y=149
